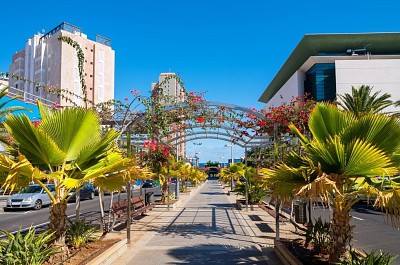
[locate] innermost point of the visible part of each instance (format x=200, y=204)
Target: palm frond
x=69, y=129
x=34, y=143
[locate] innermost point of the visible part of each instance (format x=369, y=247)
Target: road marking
x=16, y=213
x=358, y=218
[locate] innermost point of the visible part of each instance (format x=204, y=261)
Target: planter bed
x=272, y=212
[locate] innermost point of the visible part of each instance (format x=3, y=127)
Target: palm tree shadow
x=194, y=229
x=217, y=254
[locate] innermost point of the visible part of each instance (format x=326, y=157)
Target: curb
x=111, y=254
x=285, y=255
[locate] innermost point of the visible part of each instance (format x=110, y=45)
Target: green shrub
x=255, y=190
x=319, y=235
x=28, y=249
x=79, y=233
x=355, y=258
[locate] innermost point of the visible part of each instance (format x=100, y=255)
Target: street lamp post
x=195, y=155
x=230, y=164
x=196, y=161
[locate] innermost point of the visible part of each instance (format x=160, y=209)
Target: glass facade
x=321, y=82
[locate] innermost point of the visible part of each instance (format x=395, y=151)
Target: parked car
x=107, y=192
x=87, y=192
x=33, y=196
x=149, y=184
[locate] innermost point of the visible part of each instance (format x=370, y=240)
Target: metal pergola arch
x=218, y=131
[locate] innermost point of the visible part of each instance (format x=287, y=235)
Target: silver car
x=32, y=196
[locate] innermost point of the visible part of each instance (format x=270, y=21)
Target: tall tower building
x=173, y=92
x=53, y=64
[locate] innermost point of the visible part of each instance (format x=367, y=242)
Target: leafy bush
x=319, y=235
x=255, y=190
x=28, y=249
x=79, y=233
x=372, y=258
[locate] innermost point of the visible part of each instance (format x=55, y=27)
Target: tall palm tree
x=362, y=101
x=345, y=152
x=68, y=149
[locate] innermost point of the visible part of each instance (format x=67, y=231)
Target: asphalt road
x=12, y=220
x=371, y=231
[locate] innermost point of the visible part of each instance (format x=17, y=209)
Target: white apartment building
x=53, y=64
x=173, y=92
x=325, y=65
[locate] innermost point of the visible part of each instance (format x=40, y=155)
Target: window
x=320, y=82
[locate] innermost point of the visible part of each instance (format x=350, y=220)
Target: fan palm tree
x=196, y=176
x=362, y=101
x=234, y=172
x=68, y=149
x=345, y=152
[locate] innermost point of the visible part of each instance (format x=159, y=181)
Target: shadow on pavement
x=222, y=205
x=366, y=208
x=213, y=193
x=217, y=254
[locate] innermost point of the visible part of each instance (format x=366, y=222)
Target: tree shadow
x=213, y=193
x=366, y=209
x=195, y=229
x=217, y=254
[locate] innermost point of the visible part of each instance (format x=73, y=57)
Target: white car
x=32, y=196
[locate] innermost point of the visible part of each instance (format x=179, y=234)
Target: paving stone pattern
x=207, y=229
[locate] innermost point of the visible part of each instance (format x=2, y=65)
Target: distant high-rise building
x=173, y=93
x=50, y=64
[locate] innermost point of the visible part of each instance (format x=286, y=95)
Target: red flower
x=146, y=144
x=261, y=123
x=126, y=99
x=200, y=119
x=36, y=123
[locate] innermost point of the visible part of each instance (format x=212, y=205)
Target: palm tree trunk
x=78, y=206
x=103, y=227
x=164, y=192
x=58, y=222
x=340, y=229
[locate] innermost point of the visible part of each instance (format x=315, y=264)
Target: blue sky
x=230, y=49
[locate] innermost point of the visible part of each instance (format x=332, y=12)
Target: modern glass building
x=325, y=65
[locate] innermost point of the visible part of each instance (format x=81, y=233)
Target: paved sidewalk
x=206, y=229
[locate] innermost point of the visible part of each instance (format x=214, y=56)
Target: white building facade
x=326, y=65
x=49, y=64
x=173, y=93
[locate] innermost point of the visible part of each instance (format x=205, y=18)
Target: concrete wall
x=292, y=88
x=383, y=75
